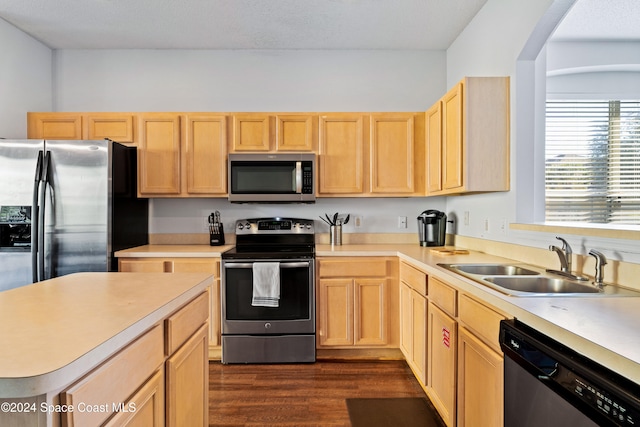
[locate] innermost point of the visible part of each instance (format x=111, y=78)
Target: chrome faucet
x=601, y=261
x=564, y=254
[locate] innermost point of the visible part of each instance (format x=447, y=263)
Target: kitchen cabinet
x=354, y=300
x=397, y=154
x=159, y=162
x=145, y=384
x=252, y=132
x=467, y=138
x=480, y=365
x=442, y=340
x=182, y=155
x=341, y=154
x=296, y=132
x=118, y=127
x=205, y=155
x=374, y=155
x=413, y=320
x=186, y=265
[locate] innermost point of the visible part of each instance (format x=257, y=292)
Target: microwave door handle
x=299, y=177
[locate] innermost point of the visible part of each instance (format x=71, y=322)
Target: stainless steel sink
x=493, y=269
x=542, y=285
x=528, y=281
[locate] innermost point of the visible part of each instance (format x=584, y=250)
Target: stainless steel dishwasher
x=548, y=384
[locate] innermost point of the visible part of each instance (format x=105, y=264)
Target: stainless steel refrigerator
x=65, y=207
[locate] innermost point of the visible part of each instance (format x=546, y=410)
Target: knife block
x=217, y=239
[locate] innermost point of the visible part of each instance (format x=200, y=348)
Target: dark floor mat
x=393, y=412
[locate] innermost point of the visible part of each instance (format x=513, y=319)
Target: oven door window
x=263, y=177
x=295, y=295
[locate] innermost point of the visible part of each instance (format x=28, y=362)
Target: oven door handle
x=297, y=264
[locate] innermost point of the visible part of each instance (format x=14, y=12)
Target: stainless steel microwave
x=272, y=177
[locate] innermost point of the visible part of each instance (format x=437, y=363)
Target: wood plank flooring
x=301, y=394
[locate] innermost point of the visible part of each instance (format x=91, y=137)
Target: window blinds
x=592, y=161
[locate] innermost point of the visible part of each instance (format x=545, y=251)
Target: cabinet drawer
x=481, y=320
x=414, y=278
x=350, y=267
x=443, y=296
x=181, y=325
x=114, y=381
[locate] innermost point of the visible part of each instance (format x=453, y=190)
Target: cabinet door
x=159, y=154
x=54, y=126
x=442, y=363
x=434, y=148
x=296, y=132
x=187, y=383
x=251, y=132
x=392, y=153
x=115, y=126
x=480, y=383
x=145, y=408
x=335, y=312
x=452, y=134
x=205, y=154
x=419, y=336
x=370, y=312
x=406, y=322
x=341, y=150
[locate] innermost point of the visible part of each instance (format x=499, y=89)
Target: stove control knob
x=240, y=226
x=247, y=226
x=267, y=325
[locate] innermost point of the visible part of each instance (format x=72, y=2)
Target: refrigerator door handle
x=35, y=223
x=41, y=214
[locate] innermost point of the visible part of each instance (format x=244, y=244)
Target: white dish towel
x=266, y=284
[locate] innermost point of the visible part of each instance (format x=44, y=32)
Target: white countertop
x=54, y=331
x=603, y=329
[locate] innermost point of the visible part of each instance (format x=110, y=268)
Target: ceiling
x=242, y=24
x=284, y=24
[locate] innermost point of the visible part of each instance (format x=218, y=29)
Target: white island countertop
x=53, y=331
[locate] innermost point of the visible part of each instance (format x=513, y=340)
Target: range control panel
x=274, y=226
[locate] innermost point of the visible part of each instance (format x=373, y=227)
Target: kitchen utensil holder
x=217, y=238
x=335, y=234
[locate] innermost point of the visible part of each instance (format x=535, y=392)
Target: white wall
x=507, y=38
x=25, y=80
x=247, y=80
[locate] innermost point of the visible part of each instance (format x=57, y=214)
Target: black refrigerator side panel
x=130, y=221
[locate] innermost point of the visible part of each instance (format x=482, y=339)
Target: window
x=592, y=157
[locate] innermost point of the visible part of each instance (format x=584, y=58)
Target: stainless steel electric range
x=268, y=292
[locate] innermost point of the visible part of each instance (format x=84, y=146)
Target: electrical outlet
x=357, y=221
x=503, y=225
x=466, y=217
x=486, y=225
x=402, y=222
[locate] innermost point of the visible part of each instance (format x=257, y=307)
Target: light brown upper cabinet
x=296, y=132
x=467, y=138
x=159, y=154
x=341, y=154
x=205, y=155
x=252, y=132
x=375, y=155
x=119, y=127
x=396, y=154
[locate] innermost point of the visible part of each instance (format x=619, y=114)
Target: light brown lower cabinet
x=160, y=378
x=442, y=363
x=187, y=382
x=480, y=383
x=186, y=265
x=413, y=331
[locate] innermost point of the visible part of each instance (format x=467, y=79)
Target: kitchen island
x=87, y=348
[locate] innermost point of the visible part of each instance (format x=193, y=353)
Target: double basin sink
x=526, y=281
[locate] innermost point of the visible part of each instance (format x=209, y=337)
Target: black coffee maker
x=432, y=228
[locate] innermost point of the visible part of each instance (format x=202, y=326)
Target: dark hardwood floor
x=301, y=394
